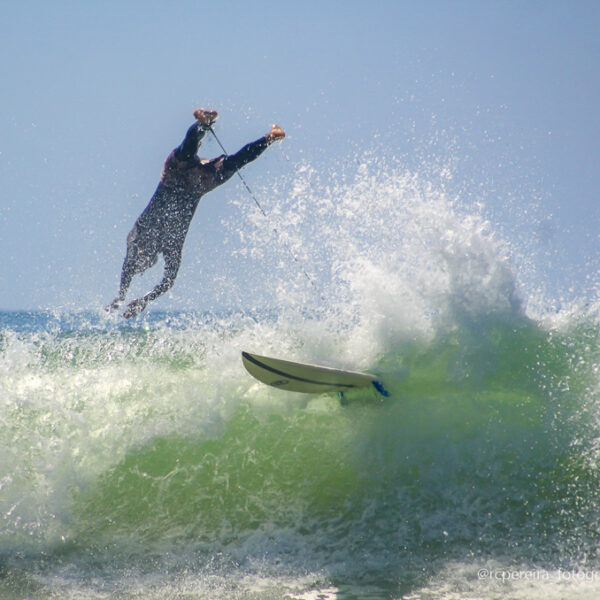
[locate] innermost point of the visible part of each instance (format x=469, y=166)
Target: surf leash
x=240, y=175
x=275, y=230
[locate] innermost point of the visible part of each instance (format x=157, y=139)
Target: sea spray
x=142, y=460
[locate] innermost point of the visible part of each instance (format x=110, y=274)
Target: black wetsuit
x=163, y=226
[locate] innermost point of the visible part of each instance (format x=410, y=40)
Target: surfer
x=163, y=226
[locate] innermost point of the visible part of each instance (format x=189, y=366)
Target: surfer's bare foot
x=275, y=134
x=206, y=116
x=114, y=305
x=135, y=308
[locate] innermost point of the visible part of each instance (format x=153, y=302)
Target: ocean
x=140, y=460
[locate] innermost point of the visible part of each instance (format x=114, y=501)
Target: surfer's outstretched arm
x=250, y=152
x=193, y=138
x=247, y=154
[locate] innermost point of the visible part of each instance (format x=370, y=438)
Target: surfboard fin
x=378, y=385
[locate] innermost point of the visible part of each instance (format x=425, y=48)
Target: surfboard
x=306, y=378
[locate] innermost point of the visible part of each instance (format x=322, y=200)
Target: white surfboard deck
x=309, y=379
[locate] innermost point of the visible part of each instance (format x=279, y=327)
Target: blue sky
x=95, y=95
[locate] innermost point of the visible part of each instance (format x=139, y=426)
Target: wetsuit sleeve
x=247, y=154
x=189, y=147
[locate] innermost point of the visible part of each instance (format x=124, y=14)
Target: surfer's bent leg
x=142, y=253
x=127, y=273
x=172, y=262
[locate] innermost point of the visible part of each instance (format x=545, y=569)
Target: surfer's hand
x=135, y=308
x=206, y=116
x=275, y=134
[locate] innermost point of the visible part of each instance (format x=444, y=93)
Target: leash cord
x=264, y=213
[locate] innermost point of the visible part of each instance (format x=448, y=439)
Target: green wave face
x=133, y=444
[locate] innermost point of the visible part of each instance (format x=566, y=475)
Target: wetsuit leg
x=172, y=262
x=131, y=266
x=127, y=273
x=140, y=256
